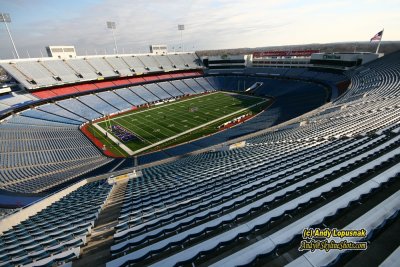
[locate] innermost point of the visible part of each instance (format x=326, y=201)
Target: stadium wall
x=11, y=200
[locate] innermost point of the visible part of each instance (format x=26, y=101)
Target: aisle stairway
x=97, y=250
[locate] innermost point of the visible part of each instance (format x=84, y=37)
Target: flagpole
x=379, y=44
x=377, y=48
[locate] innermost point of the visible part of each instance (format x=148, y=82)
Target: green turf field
x=158, y=123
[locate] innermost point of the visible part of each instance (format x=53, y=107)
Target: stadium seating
x=152, y=212
x=260, y=171
x=37, y=154
x=392, y=260
x=188, y=211
x=184, y=88
x=54, y=72
x=37, y=73
x=286, y=234
x=5, y=212
x=61, y=70
x=190, y=60
x=38, y=114
x=370, y=221
x=194, y=85
x=135, y=64
x=55, y=234
x=327, y=164
x=31, y=159
x=292, y=101
x=170, y=89
x=157, y=91
x=104, y=84
x=13, y=100
x=205, y=84
x=164, y=62
x=57, y=110
x=101, y=66
x=23, y=79
x=302, y=73
x=114, y=100
x=83, y=68
x=150, y=63
x=177, y=61
x=77, y=107
x=143, y=93
x=119, y=66
x=130, y=96
x=97, y=104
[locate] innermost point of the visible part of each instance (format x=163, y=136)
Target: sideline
x=198, y=127
x=115, y=140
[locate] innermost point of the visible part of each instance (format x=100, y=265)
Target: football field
x=180, y=121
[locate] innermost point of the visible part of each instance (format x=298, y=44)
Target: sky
x=209, y=24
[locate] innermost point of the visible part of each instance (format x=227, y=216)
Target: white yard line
x=115, y=140
x=164, y=105
x=198, y=127
x=131, y=152
x=135, y=132
x=138, y=135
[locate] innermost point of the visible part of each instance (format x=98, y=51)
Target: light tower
x=111, y=25
x=5, y=17
x=181, y=28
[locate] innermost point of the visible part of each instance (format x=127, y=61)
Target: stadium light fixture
x=5, y=17
x=111, y=25
x=181, y=28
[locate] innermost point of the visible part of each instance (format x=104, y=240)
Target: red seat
x=136, y=80
x=176, y=75
x=104, y=84
x=192, y=73
x=150, y=78
x=65, y=90
x=122, y=82
x=44, y=94
x=164, y=76
x=85, y=87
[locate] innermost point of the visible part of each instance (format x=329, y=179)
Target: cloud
x=209, y=24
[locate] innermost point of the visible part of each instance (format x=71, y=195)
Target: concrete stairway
x=97, y=250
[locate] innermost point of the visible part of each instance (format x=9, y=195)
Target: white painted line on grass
x=115, y=140
x=196, y=128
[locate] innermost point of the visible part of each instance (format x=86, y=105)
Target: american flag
x=377, y=37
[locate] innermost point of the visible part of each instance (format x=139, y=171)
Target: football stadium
x=279, y=157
